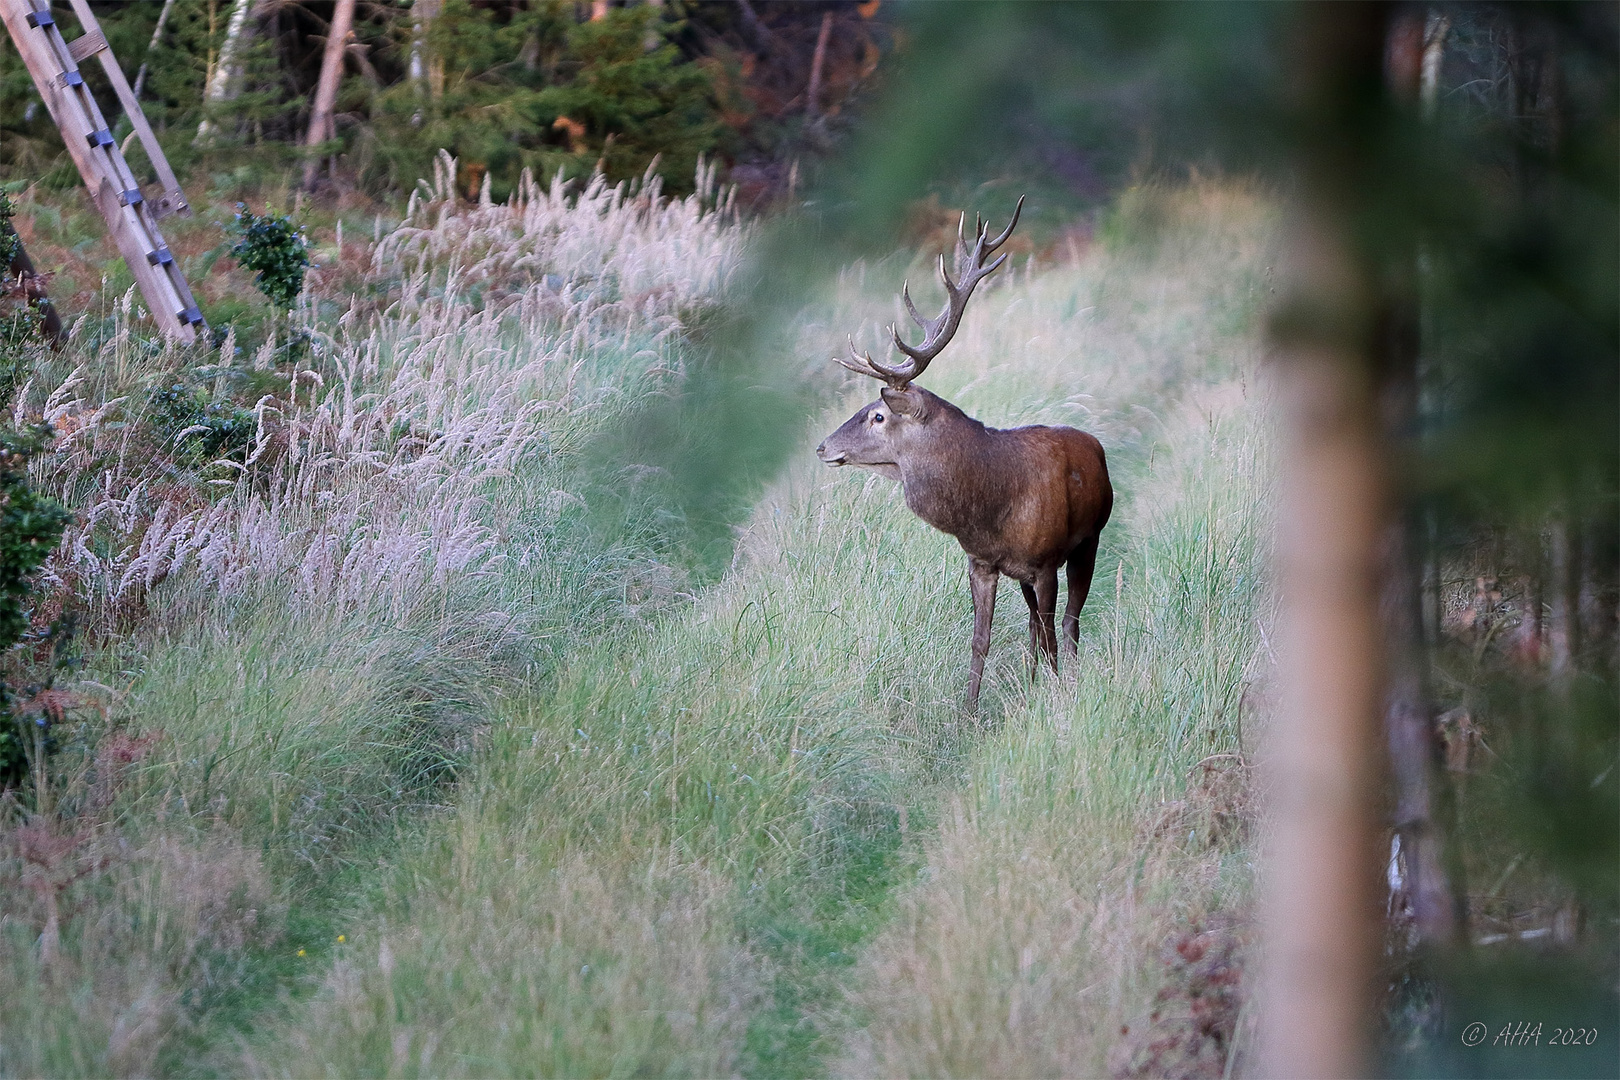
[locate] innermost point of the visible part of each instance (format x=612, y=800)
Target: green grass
x=746, y=761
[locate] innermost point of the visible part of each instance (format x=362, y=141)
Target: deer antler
x=938, y=331
x=861, y=363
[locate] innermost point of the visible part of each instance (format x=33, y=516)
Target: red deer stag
x=1021, y=502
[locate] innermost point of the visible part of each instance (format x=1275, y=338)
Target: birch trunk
x=320, y=115
x=1410, y=66
x=157, y=39
x=221, y=82
x=426, y=69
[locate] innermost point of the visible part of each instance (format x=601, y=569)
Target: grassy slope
x=671, y=862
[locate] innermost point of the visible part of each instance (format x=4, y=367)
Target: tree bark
x=1563, y=614
x=812, y=93
x=1323, y=927
x=320, y=115
x=221, y=81
x=157, y=39
x=1435, y=32
x=1413, y=743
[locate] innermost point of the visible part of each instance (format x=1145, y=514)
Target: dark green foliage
x=204, y=430
x=9, y=243
x=31, y=526
x=20, y=320
x=273, y=247
x=545, y=92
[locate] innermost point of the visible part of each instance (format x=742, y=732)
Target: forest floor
x=480, y=676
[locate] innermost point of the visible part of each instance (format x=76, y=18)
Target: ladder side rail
x=128, y=194
x=174, y=198
x=106, y=175
x=65, y=63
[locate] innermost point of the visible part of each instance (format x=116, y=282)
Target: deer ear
x=906, y=402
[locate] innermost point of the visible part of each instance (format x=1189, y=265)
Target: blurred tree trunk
x=1321, y=908
x=426, y=68
x=21, y=269
x=157, y=39
x=812, y=92
x=321, y=127
x=1563, y=611
x=1413, y=52
x=1436, y=29
x=221, y=84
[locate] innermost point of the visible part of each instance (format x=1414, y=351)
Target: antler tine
x=859, y=363
x=964, y=254
x=970, y=270
x=1002, y=239
x=905, y=294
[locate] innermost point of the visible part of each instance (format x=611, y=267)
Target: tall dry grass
x=306, y=640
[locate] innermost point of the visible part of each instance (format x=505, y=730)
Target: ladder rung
x=102, y=137
x=86, y=46
x=190, y=316
x=72, y=78
x=132, y=197
x=38, y=19
x=160, y=257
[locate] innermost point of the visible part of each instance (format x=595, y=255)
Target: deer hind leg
x=1082, y=563
x=1042, y=600
x=1034, y=626
x=982, y=579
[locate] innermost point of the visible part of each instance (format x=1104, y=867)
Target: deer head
x=896, y=427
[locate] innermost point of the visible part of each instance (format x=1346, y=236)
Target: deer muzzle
x=834, y=458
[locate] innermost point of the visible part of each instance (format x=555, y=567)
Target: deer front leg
x=982, y=581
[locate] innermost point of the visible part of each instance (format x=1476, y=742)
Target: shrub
x=31, y=526
x=273, y=247
x=202, y=429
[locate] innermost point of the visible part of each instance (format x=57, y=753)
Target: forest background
x=341, y=718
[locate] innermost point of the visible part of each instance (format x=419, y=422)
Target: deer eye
x=877, y=418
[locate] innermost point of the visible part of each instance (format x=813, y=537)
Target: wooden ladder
x=131, y=217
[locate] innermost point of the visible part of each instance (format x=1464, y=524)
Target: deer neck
x=955, y=478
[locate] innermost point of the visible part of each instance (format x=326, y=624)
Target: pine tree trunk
x=320, y=115
x=1323, y=926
